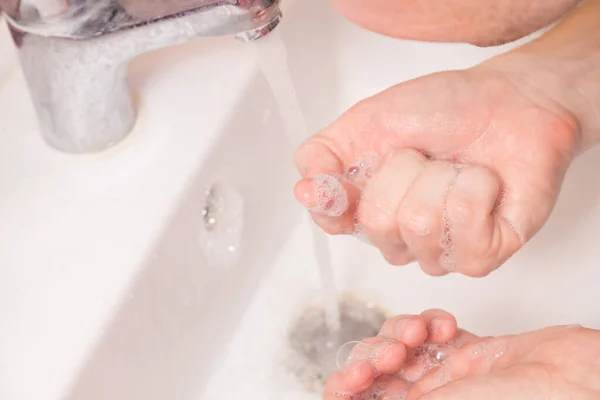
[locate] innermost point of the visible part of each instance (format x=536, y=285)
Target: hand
x=455, y=20
x=552, y=363
x=388, y=363
x=457, y=169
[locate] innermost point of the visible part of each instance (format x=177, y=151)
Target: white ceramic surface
x=104, y=289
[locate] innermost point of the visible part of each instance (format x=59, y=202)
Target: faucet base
x=80, y=93
x=77, y=79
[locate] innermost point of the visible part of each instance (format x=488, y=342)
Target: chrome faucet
x=75, y=53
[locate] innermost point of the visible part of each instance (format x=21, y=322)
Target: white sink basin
x=105, y=291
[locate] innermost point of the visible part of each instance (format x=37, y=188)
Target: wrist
x=568, y=87
x=563, y=68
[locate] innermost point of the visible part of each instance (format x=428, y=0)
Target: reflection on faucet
x=75, y=54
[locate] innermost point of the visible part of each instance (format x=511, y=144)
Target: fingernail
x=436, y=326
x=305, y=198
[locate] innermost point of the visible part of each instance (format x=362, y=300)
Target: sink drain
x=313, y=353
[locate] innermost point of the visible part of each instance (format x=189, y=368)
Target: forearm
x=564, y=63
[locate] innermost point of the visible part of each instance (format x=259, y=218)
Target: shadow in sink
x=182, y=310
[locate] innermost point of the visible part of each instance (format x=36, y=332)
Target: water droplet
x=353, y=171
x=221, y=233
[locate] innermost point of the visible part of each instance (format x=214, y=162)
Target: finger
x=476, y=358
x=423, y=359
x=352, y=379
x=433, y=326
x=381, y=198
x=332, y=203
x=319, y=156
x=390, y=387
x=383, y=387
x=521, y=382
x=463, y=338
x=420, y=216
x=385, y=355
x=428, y=357
x=482, y=356
x=322, y=158
x=441, y=329
x=411, y=330
x=441, y=326
x=480, y=240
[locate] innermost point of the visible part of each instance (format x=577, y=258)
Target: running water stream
x=272, y=56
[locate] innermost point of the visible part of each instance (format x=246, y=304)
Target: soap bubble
x=395, y=387
x=424, y=359
x=361, y=169
x=331, y=196
x=351, y=352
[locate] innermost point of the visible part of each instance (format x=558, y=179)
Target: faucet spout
x=75, y=59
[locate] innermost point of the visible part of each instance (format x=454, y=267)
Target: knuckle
x=461, y=210
x=416, y=221
x=477, y=266
x=319, y=148
x=485, y=257
x=374, y=219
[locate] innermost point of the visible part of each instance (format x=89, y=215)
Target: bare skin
x=461, y=138
x=552, y=363
x=467, y=164
x=476, y=22
x=462, y=168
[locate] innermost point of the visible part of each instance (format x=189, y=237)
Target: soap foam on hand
x=331, y=198
x=419, y=363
